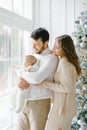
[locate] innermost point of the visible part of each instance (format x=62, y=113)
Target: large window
x=15, y=28
x=21, y=7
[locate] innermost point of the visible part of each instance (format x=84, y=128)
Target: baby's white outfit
x=17, y=95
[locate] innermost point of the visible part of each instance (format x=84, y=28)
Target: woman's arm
x=67, y=78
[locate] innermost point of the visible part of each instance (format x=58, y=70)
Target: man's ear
x=45, y=44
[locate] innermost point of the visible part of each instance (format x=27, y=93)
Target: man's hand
x=23, y=84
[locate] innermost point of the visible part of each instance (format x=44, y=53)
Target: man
x=36, y=108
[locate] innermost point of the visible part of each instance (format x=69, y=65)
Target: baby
x=17, y=95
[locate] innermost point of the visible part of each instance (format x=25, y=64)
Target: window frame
x=12, y=19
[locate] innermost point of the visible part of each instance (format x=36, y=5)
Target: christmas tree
x=80, y=38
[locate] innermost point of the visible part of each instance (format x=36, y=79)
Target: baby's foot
x=17, y=109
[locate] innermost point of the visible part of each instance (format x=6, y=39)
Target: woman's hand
x=51, y=52
x=39, y=84
x=23, y=84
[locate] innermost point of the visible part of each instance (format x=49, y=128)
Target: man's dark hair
x=40, y=33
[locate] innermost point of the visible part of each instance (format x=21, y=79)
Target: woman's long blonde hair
x=69, y=51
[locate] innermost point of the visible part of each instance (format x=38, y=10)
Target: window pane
x=27, y=44
x=21, y=7
x=15, y=43
x=7, y=4
x=18, y=7
x=4, y=68
x=2, y=47
x=4, y=59
x=4, y=41
x=10, y=56
x=28, y=9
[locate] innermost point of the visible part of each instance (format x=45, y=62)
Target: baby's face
x=26, y=64
x=29, y=61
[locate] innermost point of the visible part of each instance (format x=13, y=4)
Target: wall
x=56, y=15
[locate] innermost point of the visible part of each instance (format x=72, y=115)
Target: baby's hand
x=18, y=70
x=15, y=68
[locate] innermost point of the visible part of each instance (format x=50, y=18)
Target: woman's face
x=57, y=50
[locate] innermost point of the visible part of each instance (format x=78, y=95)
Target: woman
x=64, y=106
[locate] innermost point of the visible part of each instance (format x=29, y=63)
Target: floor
x=7, y=117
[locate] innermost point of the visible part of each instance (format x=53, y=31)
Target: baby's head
x=29, y=60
